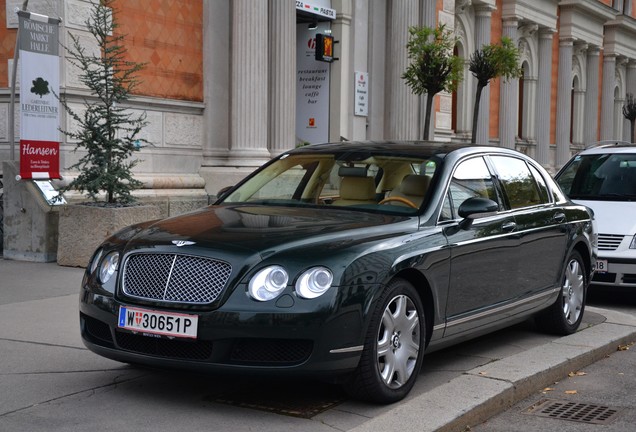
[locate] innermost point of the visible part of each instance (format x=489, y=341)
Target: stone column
x=428, y=10
x=282, y=77
x=607, y=97
x=249, y=83
x=483, y=15
x=564, y=101
x=508, y=105
x=377, y=62
x=403, y=107
x=544, y=89
x=590, y=122
x=216, y=81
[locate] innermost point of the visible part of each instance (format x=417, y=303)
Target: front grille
x=174, y=278
x=629, y=278
x=271, y=351
x=604, y=277
x=172, y=348
x=609, y=242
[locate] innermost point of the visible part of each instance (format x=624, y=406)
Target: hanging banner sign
x=315, y=9
x=39, y=108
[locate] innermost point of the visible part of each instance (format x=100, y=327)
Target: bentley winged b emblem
x=180, y=243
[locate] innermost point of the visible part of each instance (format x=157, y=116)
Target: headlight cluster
x=270, y=282
x=105, y=265
x=633, y=243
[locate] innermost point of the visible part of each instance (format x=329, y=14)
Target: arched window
x=577, y=120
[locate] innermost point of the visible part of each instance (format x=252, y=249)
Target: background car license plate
x=160, y=323
x=601, y=266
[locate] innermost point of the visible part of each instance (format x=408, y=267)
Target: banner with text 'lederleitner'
x=39, y=108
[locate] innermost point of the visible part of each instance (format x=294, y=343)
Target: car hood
x=267, y=229
x=612, y=217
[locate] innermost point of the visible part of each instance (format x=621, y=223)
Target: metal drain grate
x=574, y=411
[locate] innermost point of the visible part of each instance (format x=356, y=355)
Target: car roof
x=425, y=149
x=604, y=147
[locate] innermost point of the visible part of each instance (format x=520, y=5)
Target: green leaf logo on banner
x=40, y=87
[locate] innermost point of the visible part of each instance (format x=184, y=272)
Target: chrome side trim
x=347, y=350
x=502, y=308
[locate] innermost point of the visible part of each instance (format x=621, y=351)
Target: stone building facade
x=224, y=90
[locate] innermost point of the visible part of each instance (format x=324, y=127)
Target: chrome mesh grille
x=174, y=278
x=609, y=242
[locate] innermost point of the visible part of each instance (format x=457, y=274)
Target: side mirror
x=474, y=208
x=223, y=192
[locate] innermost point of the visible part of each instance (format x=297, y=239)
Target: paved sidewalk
x=50, y=382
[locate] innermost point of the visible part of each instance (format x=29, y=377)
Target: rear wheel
x=565, y=315
x=394, y=347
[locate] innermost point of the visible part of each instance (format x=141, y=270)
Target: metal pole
x=16, y=55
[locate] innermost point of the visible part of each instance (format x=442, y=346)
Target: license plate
x=601, y=266
x=158, y=323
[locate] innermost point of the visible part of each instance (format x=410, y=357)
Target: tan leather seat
x=413, y=187
x=355, y=191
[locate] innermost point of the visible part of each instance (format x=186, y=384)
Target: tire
x=394, y=347
x=565, y=315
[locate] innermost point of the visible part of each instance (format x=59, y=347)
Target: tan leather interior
x=356, y=190
x=413, y=187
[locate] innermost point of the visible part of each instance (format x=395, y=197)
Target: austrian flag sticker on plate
x=159, y=323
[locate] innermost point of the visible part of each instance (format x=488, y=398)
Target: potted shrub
x=107, y=134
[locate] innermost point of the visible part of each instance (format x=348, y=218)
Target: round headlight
x=95, y=261
x=314, y=282
x=108, y=266
x=268, y=283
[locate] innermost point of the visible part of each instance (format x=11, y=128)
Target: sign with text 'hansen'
x=39, y=107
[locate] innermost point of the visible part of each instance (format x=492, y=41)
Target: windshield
x=354, y=181
x=600, y=177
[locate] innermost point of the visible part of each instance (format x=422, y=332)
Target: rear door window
x=519, y=184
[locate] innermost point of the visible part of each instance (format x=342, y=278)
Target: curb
x=480, y=393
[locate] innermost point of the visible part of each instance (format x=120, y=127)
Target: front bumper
x=285, y=335
x=620, y=273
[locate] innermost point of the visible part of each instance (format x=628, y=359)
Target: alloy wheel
x=398, y=341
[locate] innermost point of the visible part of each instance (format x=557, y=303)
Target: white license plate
x=159, y=323
x=601, y=266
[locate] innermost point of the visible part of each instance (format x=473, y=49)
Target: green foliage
x=492, y=61
x=433, y=66
x=40, y=87
x=496, y=60
x=629, y=112
x=106, y=130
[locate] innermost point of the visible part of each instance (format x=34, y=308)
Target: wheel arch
x=422, y=286
x=583, y=249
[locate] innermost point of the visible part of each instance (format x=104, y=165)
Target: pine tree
x=107, y=131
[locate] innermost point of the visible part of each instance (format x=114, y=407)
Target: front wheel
x=394, y=347
x=565, y=315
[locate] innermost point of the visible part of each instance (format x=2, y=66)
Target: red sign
x=39, y=159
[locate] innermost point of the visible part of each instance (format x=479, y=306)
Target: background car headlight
x=95, y=261
x=633, y=244
x=108, y=266
x=314, y=282
x=268, y=283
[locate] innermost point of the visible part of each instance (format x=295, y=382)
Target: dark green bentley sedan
x=346, y=261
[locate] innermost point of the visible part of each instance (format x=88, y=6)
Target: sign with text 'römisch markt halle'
x=39, y=107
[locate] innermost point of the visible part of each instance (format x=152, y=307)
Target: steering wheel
x=406, y=201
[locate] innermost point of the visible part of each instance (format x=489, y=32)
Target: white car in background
x=603, y=178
